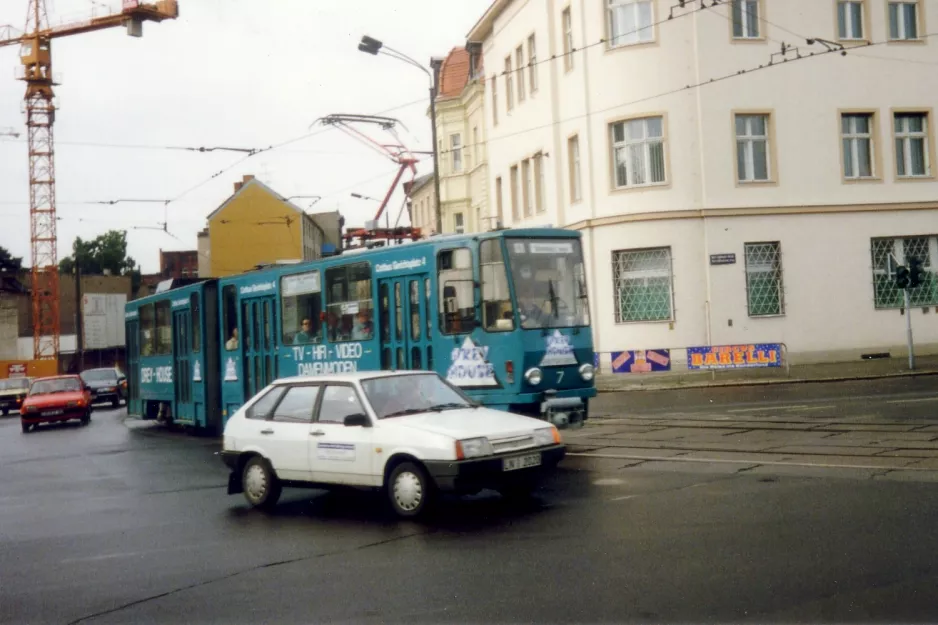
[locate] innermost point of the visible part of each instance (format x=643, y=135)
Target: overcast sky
x=240, y=73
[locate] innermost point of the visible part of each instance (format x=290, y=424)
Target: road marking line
x=912, y=401
x=820, y=465
x=623, y=498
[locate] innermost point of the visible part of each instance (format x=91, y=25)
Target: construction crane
x=36, y=58
x=396, y=152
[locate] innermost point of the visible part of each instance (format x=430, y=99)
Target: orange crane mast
x=36, y=72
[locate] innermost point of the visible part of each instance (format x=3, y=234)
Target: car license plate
x=521, y=462
x=52, y=413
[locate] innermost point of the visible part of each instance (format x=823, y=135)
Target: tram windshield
x=550, y=282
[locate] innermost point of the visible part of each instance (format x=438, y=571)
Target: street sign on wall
x=103, y=320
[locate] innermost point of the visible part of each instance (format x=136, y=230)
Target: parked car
x=12, y=393
x=410, y=434
x=55, y=399
x=106, y=384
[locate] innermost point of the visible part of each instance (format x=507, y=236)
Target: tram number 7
x=559, y=377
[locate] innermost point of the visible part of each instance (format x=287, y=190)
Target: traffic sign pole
x=908, y=327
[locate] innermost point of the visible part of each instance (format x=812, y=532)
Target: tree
x=106, y=253
x=9, y=264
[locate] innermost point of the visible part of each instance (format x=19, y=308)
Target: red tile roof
x=454, y=73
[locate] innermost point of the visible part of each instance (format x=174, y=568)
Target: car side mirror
x=357, y=420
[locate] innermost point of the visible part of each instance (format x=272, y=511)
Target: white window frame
x=573, y=154
x=509, y=88
x=532, y=62
x=747, y=142
x=644, y=34
x=566, y=19
x=459, y=223
x=906, y=137
x=902, y=27
x=622, y=147
x=519, y=63
x=746, y=8
x=851, y=33
x=455, y=142
x=854, y=137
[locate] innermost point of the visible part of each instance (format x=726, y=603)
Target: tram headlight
x=587, y=372
x=533, y=376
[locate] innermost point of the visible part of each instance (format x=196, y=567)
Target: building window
x=752, y=148
x=494, y=100
x=638, y=152
x=498, y=201
x=459, y=225
x=888, y=254
x=567, y=21
x=539, y=194
x=857, y=129
x=573, y=154
x=630, y=22
x=509, y=90
x=903, y=21
x=532, y=64
x=455, y=142
x=746, y=19
x=528, y=187
x=515, y=203
x=519, y=63
x=642, y=283
x=764, y=279
x=911, y=131
x=850, y=20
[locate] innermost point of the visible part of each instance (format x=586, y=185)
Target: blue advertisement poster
x=735, y=356
x=641, y=361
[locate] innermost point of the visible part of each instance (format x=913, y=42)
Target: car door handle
x=267, y=431
x=317, y=433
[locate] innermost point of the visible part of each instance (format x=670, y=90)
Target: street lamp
x=373, y=46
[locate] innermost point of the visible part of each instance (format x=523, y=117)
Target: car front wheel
x=86, y=418
x=409, y=490
x=261, y=487
x=26, y=428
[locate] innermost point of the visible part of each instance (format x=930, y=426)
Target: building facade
x=734, y=183
x=179, y=264
x=422, y=201
x=258, y=226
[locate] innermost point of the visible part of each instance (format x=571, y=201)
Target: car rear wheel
x=261, y=487
x=26, y=428
x=409, y=490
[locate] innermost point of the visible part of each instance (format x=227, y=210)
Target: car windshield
x=409, y=394
x=61, y=385
x=550, y=282
x=99, y=375
x=14, y=384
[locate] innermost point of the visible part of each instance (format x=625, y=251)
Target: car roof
x=67, y=376
x=356, y=376
x=100, y=369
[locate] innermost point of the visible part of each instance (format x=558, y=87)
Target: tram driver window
x=349, y=311
x=230, y=312
x=301, y=306
x=497, y=312
x=147, y=331
x=457, y=291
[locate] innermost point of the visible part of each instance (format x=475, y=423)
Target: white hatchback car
x=410, y=433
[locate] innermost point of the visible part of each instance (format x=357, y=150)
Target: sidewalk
x=826, y=372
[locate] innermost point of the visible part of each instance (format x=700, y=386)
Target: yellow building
x=258, y=226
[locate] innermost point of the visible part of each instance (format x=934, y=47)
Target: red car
x=55, y=399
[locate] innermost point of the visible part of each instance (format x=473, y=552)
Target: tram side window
x=147, y=331
x=230, y=312
x=349, y=314
x=497, y=311
x=164, y=328
x=301, y=306
x=196, y=323
x=457, y=292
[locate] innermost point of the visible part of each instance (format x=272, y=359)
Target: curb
x=766, y=382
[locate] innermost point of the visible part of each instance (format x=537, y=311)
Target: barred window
x=642, y=283
x=764, y=279
x=887, y=254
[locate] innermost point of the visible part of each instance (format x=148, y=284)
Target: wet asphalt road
x=107, y=524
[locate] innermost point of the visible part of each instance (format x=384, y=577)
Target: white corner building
x=724, y=200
